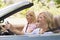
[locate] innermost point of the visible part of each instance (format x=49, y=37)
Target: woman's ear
x=57, y=20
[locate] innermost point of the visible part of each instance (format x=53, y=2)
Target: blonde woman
x=45, y=22
x=31, y=20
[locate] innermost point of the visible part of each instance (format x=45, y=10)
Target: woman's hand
x=3, y=29
x=7, y=25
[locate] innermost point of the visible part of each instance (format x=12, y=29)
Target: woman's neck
x=31, y=22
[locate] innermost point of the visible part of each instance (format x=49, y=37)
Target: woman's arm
x=13, y=28
x=16, y=31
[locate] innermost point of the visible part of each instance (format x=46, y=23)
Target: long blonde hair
x=33, y=15
x=49, y=19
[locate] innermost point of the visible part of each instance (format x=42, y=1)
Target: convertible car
x=12, y=9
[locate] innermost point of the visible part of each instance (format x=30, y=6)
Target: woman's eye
x=40, y=17
x=37, y=21
x=30, y=15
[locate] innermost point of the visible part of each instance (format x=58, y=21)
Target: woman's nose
x=39, y=19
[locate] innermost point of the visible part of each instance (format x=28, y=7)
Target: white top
x=35, y=30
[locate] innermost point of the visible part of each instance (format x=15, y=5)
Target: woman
x=31, y=19
x=45, y=22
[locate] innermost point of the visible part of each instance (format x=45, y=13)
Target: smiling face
x=45, y=20
x=41, y=20
x=30, y=16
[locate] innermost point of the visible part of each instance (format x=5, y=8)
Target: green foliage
x=2, y=4
x=37, y=8
x=57, y=1
x=48, y=0
x=23, y=12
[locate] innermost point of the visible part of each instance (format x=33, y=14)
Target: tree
x=57, y=3
x=1, y=3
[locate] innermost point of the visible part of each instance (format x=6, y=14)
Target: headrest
x=57, y=20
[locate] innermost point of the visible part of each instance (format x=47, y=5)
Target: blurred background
x=18, y=18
